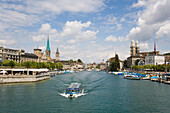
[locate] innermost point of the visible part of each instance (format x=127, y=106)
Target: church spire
x=57, y=52
x=154, y=47
x=48, y=51
x=48, y=44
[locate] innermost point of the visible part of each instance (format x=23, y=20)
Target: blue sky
x=91, y=30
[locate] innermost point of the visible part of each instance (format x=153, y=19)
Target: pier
x=23, y=75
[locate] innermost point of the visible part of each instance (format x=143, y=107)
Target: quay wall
x=22, y=78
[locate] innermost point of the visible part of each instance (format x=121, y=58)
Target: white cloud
x=72, y=28
x=144, y=46
x=92, y=42
x=163, y=31
x=45, y=28
x=29, y=12
x=122, y=19
x=7, y=42
x=15, y=19
x=113, y=22
x=72, y=32
x=59, y=6
x=112, y=38
x=39, y=38
x=140, y=3
x=152, y=21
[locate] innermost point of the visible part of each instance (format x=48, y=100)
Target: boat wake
x=78, y=95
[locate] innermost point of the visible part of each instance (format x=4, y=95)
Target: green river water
x=104, y=93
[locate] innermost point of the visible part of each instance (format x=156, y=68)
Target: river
x=104, y=93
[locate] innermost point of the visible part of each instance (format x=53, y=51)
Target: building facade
x=17, y=55
x=154, y=59
x=167, y=58
x=110, y=61
x=102, y=66
x=135, y=53
x=29, y=57
x=38, y=53
x=11, y=54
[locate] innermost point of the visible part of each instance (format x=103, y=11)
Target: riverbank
x=22, y=78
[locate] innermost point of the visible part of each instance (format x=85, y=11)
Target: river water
x=104, y=93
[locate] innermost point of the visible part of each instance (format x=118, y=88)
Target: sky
x=90, y=30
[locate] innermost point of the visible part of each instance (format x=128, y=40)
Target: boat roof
x=74, y=85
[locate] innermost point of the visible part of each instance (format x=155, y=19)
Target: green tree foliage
x=12, y=64
x=162, y=67
x=115, y=66
x=125, y=64
x=79, y=61
x=71, y=61
x=27, y=64
x=32, y=64
x=97, y=66
x=5, y=62
x=59, y=65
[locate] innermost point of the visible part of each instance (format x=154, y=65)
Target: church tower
x=48, y=51
x=137, y=48
x=57, y=55
x=132, y=48
x=155, y=48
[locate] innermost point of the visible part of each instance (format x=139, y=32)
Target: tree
x=97, y=66
x=125, y=64
x=112, y=65
x=27, y=65
x=136, y=61
x=11, y=64
x=117, y=63
x=79, y=61
x=59, y=65
x=134, y=67
x=52, y=65
x=5, y=63
x=71, y=61
x=115, y=66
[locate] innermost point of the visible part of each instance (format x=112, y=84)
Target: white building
x=154, y=59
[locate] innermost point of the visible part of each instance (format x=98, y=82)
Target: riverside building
x=17, y=55
x=135, y=53
x=154, y=59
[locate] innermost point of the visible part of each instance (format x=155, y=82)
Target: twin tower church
x=46, y=56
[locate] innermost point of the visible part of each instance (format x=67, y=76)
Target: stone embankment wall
x=22, y=78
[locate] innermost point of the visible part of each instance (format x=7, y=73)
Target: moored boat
x=154, y=78
x=132, y=77
x=118, y=73
x=89, y=70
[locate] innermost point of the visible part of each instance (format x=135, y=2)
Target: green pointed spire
x=48, y=44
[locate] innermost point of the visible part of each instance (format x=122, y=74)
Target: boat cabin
x=74, y=88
